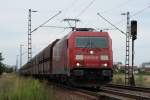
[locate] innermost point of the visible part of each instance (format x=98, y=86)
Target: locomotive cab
x=91, y=54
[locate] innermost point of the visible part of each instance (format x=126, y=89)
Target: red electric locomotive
x=82, y=58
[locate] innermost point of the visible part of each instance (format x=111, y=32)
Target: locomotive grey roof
x=84, y=29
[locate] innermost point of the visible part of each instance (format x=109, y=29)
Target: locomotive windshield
x=91, y=42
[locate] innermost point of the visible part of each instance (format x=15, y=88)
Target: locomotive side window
x=91, y=42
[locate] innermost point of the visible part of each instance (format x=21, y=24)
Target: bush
x=2, y=68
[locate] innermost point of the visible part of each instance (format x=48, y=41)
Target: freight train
x=81, y=58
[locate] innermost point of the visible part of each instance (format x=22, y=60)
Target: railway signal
x=134, y=29
x=134, y=37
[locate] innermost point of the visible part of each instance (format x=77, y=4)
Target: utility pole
x=21, y=55
x=30, y=31
x=129, y=70
x=16, y=62
x=127, y=59
x=29, y=36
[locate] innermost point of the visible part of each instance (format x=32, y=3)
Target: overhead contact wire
x=86, y=8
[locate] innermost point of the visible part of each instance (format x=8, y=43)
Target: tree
x=1, y=57
x=2, y=67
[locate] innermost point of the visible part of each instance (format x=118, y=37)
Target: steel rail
x=132, y=88
x=110, y=93
x=126, y=94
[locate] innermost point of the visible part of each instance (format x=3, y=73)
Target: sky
x=14, y=24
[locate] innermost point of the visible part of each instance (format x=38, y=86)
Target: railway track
x=114, y=92
x=126, y=92
x=133, y=88
x=117, y=94
x=121, y=92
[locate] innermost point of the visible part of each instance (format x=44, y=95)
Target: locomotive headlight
x=79, y=57
x=91, y=52
x=78, y=64
x=105, y=65
x=104, y=57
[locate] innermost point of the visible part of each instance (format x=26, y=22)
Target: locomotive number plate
x=91, y=57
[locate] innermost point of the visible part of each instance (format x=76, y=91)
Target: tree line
x=3, y=67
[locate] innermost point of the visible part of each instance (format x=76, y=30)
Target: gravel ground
x=66, y=94
x=63, y=94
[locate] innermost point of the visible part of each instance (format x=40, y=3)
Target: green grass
x=118, y=79
x=140, y=79
x=17, y=88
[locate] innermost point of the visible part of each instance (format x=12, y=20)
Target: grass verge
x=13, y=87
x=140, y=79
